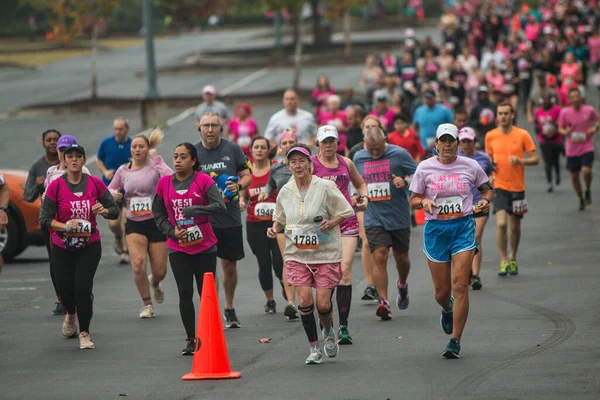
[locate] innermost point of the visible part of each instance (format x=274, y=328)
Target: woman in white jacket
x=309, y=210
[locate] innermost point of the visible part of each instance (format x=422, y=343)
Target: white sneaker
x=85, y=341
x=159, y=291
x=315, y=356
x=69, y=326
x=331, y=344
x=147, y=311
x=124, y=259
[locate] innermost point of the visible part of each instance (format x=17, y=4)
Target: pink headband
x=288, y=134
x=300, y=149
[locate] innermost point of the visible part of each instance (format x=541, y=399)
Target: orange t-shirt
x=500, y=148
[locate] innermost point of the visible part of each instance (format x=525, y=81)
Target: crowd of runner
x=436, y=132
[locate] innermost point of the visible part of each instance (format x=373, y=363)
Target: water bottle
x=322, y=236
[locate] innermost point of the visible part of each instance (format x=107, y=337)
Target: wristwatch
x=240, y=188
x=486, y=199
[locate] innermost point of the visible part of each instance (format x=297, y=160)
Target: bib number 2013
x=449, y=207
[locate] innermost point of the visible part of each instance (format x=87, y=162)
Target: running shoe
x=231, y=320
x=331, y=344
x=384, y=310
x=315, y=356
x=581, y=204
x=447, y=319
x=588, y=197
x=69, y=326
x=147, y=311
x=270, y=307
x=58, y=310
x=118, y=245
x=344, y=335
x=370, y=293
x=190, y=346
x=124, y=259
x=549, y=188
x=159, y=291
x=291, y=312
x=476, y=283
x=557, y=179
x=513, y=269
x=503, y=269
x=452, y=349
x=85, y=341
x=402, y=300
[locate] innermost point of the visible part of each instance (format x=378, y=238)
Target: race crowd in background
x=430, y=130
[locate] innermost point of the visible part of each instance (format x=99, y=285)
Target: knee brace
x=307, y=309
x=327, y=312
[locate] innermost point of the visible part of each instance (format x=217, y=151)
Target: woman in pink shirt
x=138, y=179
x=569, y=71
x=243, y=128
x=551, y=142
x=182, y=208
x=495, y=79
x=70, y=208
x=321, y=93
x=333, y=116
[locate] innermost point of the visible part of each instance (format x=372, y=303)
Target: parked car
x=23, y=227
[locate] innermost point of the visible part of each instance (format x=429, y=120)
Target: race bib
x=305, y=239
x=264, y=211
x=84, y=229
x=193, y=236
x=449, y=207
x=140, y=206
x=509, y=88
x=578, y=137
x=379, y=191
x=244, y=141
x=519, y=207
x=524, y=75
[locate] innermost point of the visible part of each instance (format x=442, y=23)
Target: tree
x=190, y=12
x=341, y=8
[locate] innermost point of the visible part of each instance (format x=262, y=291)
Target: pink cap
x=467, y=133
x=298, y=149
x=288, y=134
x=209, y=89
x=431, y=68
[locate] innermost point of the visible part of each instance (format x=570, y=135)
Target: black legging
x=267, y=253
x=185, y=268
x=74, y=274
x=551, y=154
x=48, y=243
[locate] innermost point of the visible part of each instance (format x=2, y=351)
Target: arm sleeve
x=216, y=204
x=271, y=184
x=161, y=217
x=117, y=182
x=32, y=189
x=160, y=166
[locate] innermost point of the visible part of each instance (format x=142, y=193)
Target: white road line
x=15, y=289
x=189, y=111
x=24, y=280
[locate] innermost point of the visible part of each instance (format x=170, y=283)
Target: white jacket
x=323, y=198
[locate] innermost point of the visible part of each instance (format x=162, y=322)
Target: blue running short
x=445, y=238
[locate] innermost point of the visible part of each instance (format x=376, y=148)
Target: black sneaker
x=270, y=307
x=290, y=312
x=588, y=197
x=190, y=346
x=231, y=320
x=581, y=204
x=369, y=293
x=476, y=283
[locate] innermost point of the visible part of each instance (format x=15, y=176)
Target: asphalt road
x=533, y=336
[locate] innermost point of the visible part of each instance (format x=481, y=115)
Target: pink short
x=318, y=276
x=349, y=227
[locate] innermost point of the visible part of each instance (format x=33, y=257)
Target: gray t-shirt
x=216, y=107
x=228, y=159
x=279, y=176
x=392, y=214
x=302, y=122
x=32, y=189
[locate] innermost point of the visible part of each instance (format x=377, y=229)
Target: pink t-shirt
x=547, y=125
x=532, y=32
x=387, y=119
x=449, y=185
x=71, y=205
x=176, y=201
x=578, y=144
x=243, y=132
x=140, y=186
x=496, y=81
x=594, y=46
x=568, y=71
x=321, y=98
x=340, y=121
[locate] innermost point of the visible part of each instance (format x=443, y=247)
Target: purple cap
x=65, y=141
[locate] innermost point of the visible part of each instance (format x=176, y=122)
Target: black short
x=481, y=214
x=574, y=164
x=146, y=228
x=230, y=244
x=503, y=200
x=378, y=237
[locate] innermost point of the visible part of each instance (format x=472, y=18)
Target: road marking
x=189, y=111
x=15, y=289
x=25, y=280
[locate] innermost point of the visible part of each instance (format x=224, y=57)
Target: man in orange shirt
x=510, y=148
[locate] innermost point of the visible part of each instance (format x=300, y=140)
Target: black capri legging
x=551, y=153
x=48, y=243
x=267, y=253
x=74, y=272
x=185, y=268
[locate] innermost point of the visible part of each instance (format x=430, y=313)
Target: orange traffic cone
x=420, y=216
x=211, y=359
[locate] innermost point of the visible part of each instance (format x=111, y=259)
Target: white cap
x=326, y=131
x=447, y=129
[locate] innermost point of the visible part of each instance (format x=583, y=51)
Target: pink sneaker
x=85, y=341
x=69, y=326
